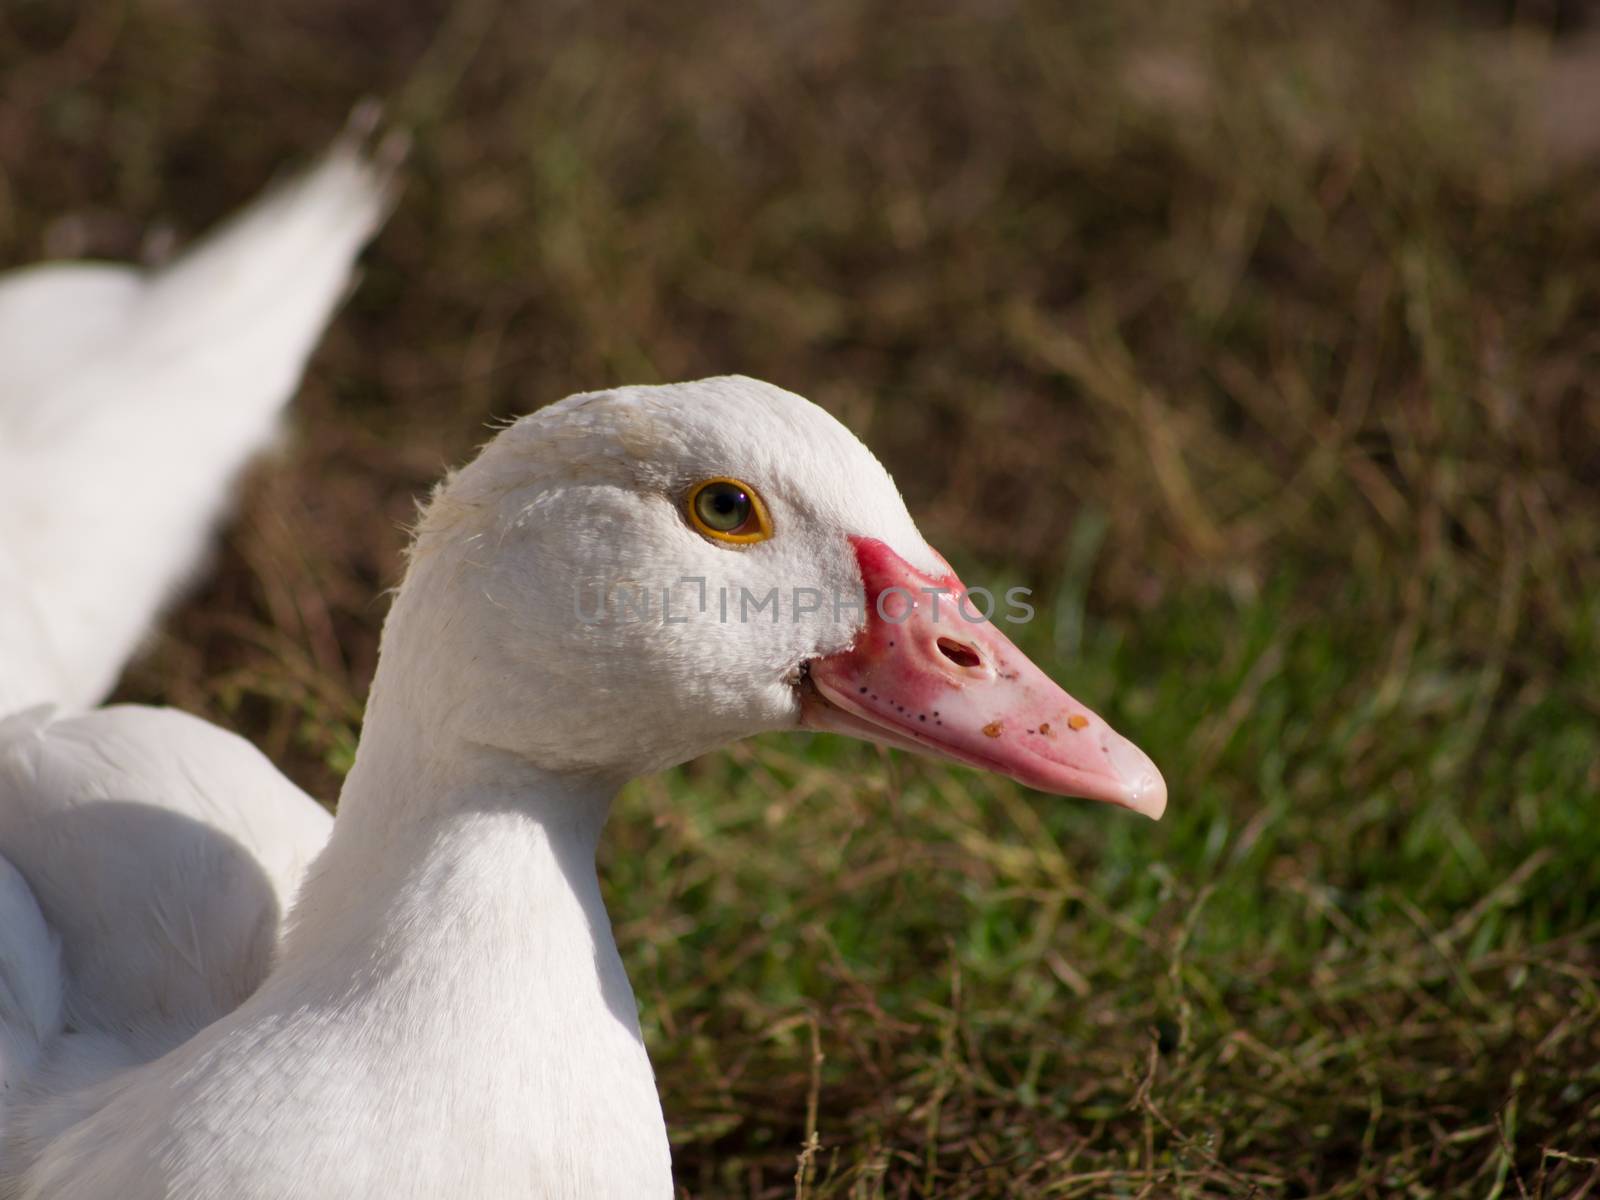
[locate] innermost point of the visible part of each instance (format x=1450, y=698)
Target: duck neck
x=454, y=931
x=450, y=845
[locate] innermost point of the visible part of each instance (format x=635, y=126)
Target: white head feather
x=524, y=562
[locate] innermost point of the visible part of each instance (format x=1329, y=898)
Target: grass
x=1259, y=339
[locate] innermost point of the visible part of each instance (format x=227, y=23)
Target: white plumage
x=448, y=1014
x=148, y=856
x=130, y=399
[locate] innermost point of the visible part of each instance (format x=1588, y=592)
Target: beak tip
x=1146, y=790
x=1148, y=796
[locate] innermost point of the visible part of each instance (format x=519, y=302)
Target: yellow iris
x=729, y=511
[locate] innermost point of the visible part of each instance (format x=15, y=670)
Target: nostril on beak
x=959, y=653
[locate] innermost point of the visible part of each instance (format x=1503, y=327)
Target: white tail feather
x=129, y=401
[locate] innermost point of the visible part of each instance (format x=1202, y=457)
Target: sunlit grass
x=1258, y=338
x=1350, y=946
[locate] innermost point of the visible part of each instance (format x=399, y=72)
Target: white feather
x=130, y=399
x=448, y=1014
x=148, y=856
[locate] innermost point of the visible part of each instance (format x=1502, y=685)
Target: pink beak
x=925, y=675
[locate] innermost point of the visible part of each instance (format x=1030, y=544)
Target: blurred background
x=1260, y=339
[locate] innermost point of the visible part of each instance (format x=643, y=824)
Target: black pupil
x=724, y=507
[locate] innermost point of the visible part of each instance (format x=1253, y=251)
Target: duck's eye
x=729, y=511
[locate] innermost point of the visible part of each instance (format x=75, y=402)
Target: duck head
x=629, y=578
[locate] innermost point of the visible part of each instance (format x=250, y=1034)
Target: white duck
x=130, y=399
x=447, y=1014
